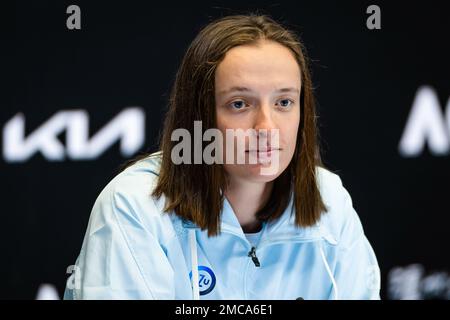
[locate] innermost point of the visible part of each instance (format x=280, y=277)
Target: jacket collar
x=282, y=228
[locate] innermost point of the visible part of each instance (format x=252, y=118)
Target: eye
x=238, y=104
x=285, y=103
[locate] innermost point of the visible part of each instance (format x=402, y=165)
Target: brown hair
x=193, y=191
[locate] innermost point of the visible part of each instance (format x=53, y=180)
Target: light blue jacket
x=132, y=250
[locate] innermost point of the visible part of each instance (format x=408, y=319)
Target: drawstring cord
x=194, y=264
x=330, y=274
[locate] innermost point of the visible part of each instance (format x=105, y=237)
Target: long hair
x=194, y=191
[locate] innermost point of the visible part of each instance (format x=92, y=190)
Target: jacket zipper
x=264, y=243
x=252, y=254
x=268, y=243
x=252, y=251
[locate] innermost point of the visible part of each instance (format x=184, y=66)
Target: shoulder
x=341, y=222
x=136, y=182
x=138, y=179
x=127, y=198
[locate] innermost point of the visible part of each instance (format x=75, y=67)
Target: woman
x=165, y=229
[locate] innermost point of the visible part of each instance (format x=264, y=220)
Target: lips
x=267, y=150
x=263, y=156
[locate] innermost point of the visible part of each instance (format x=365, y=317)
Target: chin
x=255, y=173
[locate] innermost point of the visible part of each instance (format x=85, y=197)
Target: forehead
x=266, y=65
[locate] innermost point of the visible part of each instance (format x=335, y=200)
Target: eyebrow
x=244, y=89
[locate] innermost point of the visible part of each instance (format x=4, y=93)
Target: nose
x=264, y=122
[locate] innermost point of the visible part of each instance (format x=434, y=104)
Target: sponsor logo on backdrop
x=428, y=124
x=413, y=283
x=47, y=291
x=128, y=127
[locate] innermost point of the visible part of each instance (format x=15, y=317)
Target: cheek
x=224, y=121
x=290, y=142
x=290, y=130
x=229, y=121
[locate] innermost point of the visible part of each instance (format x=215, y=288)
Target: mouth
x=266, y=150
x=263, y=156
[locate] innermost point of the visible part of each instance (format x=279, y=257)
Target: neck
x=246, y=199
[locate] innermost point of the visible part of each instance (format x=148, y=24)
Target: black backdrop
x=126, y=55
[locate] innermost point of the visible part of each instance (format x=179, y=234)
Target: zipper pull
x=252, y=254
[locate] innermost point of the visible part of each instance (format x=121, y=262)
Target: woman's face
x=258, y=87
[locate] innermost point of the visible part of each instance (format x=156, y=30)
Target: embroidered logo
x=206, y=279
